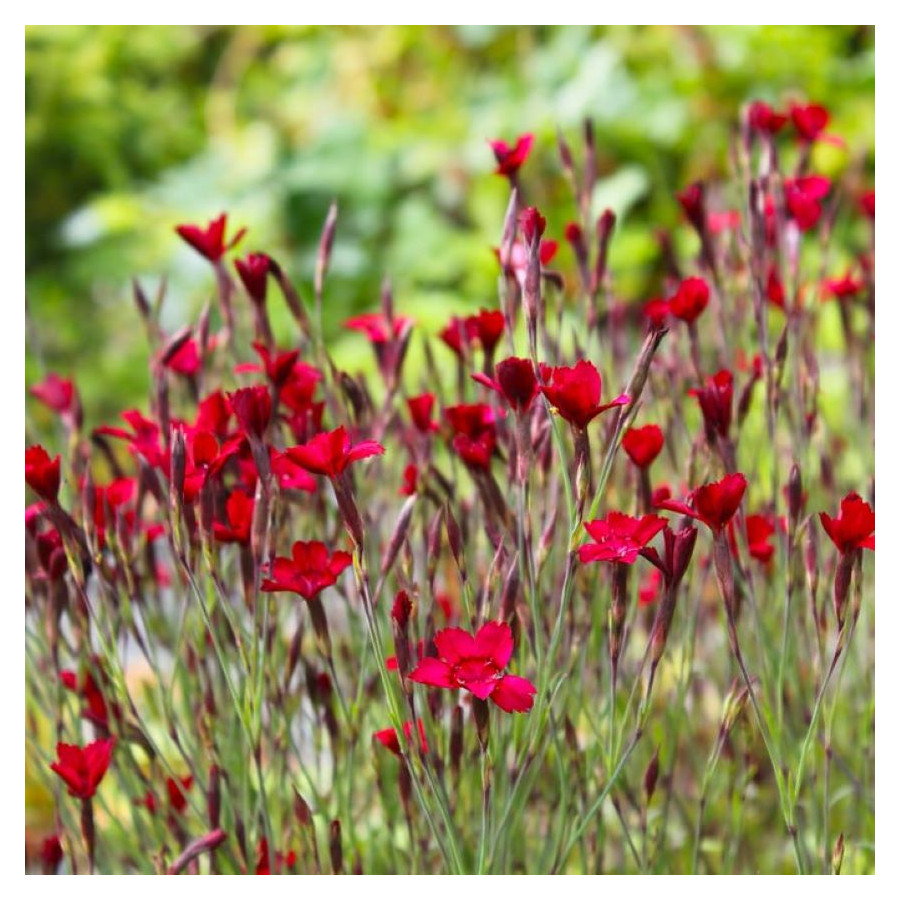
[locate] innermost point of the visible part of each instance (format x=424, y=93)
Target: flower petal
x=433, y=672
x=514, y=694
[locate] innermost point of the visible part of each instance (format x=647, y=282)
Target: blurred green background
x=132, y=130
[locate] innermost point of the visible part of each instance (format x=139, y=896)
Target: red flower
x=51, y=854
x=175, y=790
x=761, y=117
x=239, y=512
x=515, y=382
x=455, y=334
x=470, y=419
x=330, y=453
x=252, y=407
x=83, y=768
x=693, y=202
x=58, y=394
x=844, y=287
x=210, y=241
x=410, y=481
x=713, y=504
x=802, y=196
x=867, y=204
x=290, y=475
x=619, y=538
x=213, y=414
x=649, y=588
x=388, y=737
x=309, y=570
x=854, y=528
x=759, y=530
x=510, y=159
x=42, y=473
x=775, y=293
x=532, y=223
x=810, y=121
x=476, y=664
x=715, y=401
x=377, y=327
x=476, y=452
x=420, y=412
x=656, y=311
x=476, y=435
x=281, y=860
x=643, y=445
x=486, y=327
x=574, y=391
x=96, y=710
x=254, y=273
x=690, y=299
x=185, y=360
x=279, y=368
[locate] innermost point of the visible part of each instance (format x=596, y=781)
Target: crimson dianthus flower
x=420, y=412
x=310, y=569
x=759, y=529
x=254, y=273
x=378, y=329
x=690, y=299
x=330, y=452
x=210, y=241
x=388, y=737
x=643, y=445
x=761, y=117
x=95, y=710
x=713, y=504
x=252, y=407
x=848, y=285
x=574, y=392
x=239, y=513
x=279, y=366
x=810, y=121
x=510, y=159
x=715, y=400
x=515, y=381
x=854, y=527
x=83, y=768
x=802, y=196
x=42, y=473
x=619, y=538
x=58, y=394
x=476, y=663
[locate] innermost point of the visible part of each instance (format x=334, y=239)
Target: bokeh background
x=130, y=131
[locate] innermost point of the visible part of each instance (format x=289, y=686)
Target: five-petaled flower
x=210, y=241
x=476, y=663
x=574, y=392
x=713, y=504
x=83, y=768
x=309, y=571
x=330, y=452
x=619, y=538
x=854, y=528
